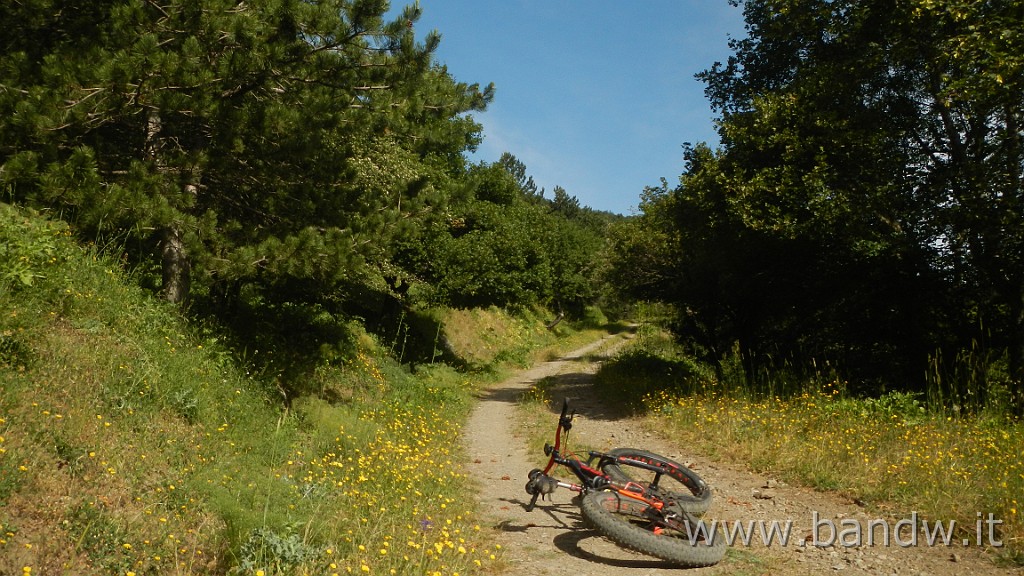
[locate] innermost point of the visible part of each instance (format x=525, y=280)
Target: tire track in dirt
x=552, y=540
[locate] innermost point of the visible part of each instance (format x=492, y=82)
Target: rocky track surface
x=553, y=540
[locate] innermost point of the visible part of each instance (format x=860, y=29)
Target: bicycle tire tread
x=671, y=549
x=697, y=502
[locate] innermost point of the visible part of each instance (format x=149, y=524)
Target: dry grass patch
x=888, y=452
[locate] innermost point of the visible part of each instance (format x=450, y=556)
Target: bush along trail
x=772, y=527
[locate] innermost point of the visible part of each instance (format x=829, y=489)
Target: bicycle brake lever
x=566, y=421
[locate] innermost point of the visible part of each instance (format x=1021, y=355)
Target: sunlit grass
x=131, y=443
x=943, y=467
x=891, y=453
x=134, y=486
x=386, y=497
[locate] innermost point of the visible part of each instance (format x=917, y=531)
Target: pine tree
x=275, y=143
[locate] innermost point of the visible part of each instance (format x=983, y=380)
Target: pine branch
x=90, y=93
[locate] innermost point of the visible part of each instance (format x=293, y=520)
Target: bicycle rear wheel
x=670, y=480
x=630, y=523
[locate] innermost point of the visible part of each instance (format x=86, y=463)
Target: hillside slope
x=133, y=442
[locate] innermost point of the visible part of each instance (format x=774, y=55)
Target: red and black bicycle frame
x=590, y=477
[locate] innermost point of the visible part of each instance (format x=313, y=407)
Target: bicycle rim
x=629, y=523
x=673, y=483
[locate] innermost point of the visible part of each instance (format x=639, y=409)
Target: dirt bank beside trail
x=552, y=539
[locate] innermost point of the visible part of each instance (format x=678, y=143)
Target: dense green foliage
x=864, y=209
x=259, y=144
x=286, y=167
x=133, y=440
x=507, y=245
x=291, y=167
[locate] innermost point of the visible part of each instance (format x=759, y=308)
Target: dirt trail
x=552, y=539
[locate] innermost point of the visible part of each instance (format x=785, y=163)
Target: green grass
x=132, y=441
x=892, y=452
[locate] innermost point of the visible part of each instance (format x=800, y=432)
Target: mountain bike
x=639, y=500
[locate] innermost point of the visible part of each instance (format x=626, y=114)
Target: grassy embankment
x=892, y=454
x=132, y=442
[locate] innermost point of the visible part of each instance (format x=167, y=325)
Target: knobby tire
x=624, y=521
x=678, y=483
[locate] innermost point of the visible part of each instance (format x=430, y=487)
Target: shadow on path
x=566, y=519
x=569, y=542
x=558, y=378
x=576, y=386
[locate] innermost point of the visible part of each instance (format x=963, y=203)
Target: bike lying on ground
x=638, y=499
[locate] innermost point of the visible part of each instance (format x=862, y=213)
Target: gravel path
x=552, y=539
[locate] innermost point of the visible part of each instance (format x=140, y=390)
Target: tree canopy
x=283, y=165
x=259, y=143
x=864, y=207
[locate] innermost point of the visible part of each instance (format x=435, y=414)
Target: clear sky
x=595, y=96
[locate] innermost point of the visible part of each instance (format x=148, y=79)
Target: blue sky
x=595, y=96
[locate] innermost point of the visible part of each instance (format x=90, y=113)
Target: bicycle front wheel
x=629, y=523
x=669, y=480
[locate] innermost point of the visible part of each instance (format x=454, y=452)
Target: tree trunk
x=176, y=267
x=174, y=259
